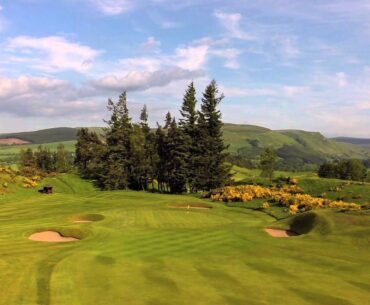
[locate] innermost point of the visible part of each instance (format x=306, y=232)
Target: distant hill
x=295, y=147
x=50, y=135
x=249, y=136
x=355, y=141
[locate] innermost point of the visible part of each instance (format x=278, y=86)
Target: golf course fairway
x=134, y=248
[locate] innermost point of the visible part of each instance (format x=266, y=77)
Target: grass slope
x=145, y=253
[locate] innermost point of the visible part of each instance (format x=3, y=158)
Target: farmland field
x=145, y=251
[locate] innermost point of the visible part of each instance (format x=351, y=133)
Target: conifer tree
x=211, y=169
x=188, y=124
x=138, y=169
x=118, y=161
x=176, y=147
x=168, y=120
x=150, y=157
x=161, y=173
x=90, y=154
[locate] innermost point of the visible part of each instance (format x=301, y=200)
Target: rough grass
x=146, y=253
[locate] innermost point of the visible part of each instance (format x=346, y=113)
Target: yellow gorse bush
x=291, y=197
x=31, y=182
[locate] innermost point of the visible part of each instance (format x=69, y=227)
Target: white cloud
x=192, y=57
x=232, y=24
x=52, y=53
x=363, y=105
x=288, y=47
x=28, y=97
x=168, y=24
x=341, y=79
x=24, y=85
x=151, y=44
x=294, y=90
x=41, y=96
x=147, y=64
x=143, y=80
x=231, y=55
x=3, y=21
x=245, y=92
x=113, y=7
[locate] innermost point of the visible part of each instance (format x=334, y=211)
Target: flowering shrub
x=293, y=181
x=291, y=197
x=4, y=170
x=31, y=182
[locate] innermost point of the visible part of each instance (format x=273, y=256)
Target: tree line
x=185, y=155
x=351, y=169
x=45, y=161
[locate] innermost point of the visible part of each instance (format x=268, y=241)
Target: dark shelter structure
x=47, y=189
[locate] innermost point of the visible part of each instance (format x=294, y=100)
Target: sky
x=281, y=64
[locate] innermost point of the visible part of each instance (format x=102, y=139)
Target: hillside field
x=145, y=251
x=247, y=140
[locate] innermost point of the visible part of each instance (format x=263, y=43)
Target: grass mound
x=306, y=223
x=197, y=205
x=309, y=222
x=87, y=218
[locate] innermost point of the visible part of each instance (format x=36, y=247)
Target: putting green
x=143, y=252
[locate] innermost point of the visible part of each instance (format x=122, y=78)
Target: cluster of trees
x=268, y=162
x=188, y=155
x=351, y=169
x=290, y=157
x=44, y=160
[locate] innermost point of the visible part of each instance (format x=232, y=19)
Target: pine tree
x=188, y=124
x=188, y=110
x=161, y=172
x=138, y=169
x=150, y=157
x=90, y=154
x=118, y=160
x=211, y=169
x=168, y=120
x=176, y=147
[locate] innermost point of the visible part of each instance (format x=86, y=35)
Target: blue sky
x=282, y=64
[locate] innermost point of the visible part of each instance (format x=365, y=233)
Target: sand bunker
x=280, y=233
x=51, y=237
